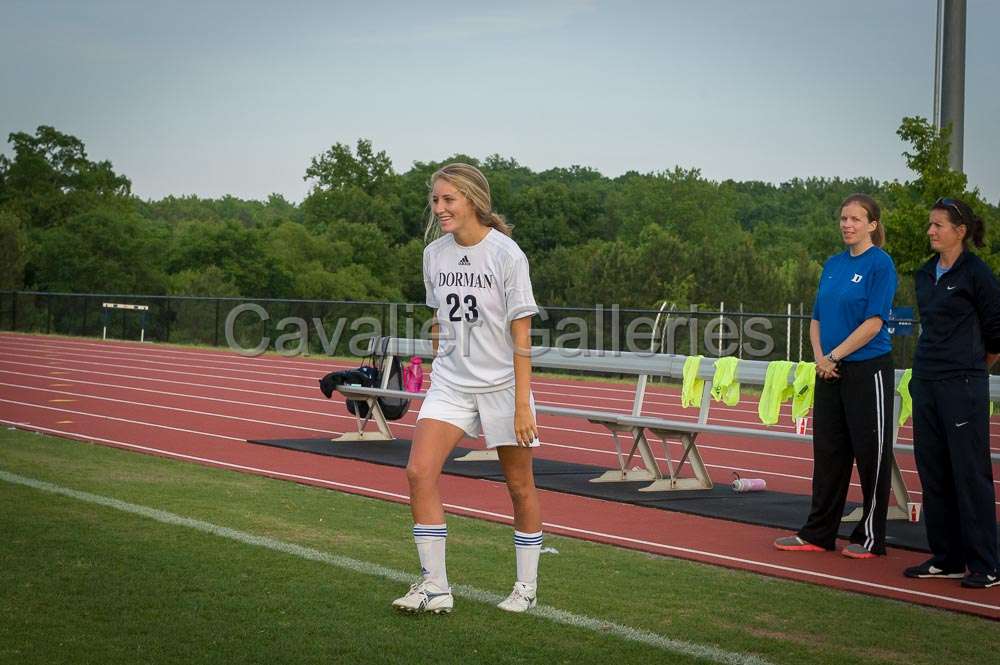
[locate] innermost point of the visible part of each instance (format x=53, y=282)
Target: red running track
x=202, y=406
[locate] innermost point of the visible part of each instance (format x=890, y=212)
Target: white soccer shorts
x=492, y=413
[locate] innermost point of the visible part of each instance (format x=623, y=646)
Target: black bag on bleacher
x=368, y=376
x=394, y=408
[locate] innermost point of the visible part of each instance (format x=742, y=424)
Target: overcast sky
x=226, y=97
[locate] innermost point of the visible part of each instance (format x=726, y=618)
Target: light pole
x=949, y=76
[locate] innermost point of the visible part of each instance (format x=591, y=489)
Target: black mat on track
x=768, y=508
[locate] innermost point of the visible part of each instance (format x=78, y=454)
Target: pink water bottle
x=413, y=375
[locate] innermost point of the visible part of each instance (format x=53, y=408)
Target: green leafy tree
x=100, y=251
x=50, y=179
x=338, y=168
x=241, y=253
x=906, y=221
x=13, y=251
x=409, y=258
x=311, y=259
x=324, y=209
x=210, y=281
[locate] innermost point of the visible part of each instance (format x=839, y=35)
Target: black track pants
x=852, y=423
x=951, y=441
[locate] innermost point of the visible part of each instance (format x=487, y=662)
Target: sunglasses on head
x=951, y=204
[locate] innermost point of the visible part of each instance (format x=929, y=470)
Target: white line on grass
x=600, y=626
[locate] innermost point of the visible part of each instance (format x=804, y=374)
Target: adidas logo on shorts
x=464, y=261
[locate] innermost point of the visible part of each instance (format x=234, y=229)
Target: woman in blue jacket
x=852, y=415
x=959, y=303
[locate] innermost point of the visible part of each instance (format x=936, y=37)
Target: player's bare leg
x=517, y=469
x=433, y=441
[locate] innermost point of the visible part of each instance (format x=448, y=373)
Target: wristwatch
x=832, y=358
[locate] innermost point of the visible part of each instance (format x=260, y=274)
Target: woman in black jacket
x=959, y=303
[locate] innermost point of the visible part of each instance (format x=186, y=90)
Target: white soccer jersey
x=477, y=291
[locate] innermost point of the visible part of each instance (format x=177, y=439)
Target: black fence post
x=48, y=315
x=13, y=311
x=218, y=305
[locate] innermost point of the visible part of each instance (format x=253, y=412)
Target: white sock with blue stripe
x=527, y=548
x=430, y=540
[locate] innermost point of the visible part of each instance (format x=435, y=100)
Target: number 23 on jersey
x=471, y=310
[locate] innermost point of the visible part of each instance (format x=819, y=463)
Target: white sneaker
x=521, y=599
x=425, y=596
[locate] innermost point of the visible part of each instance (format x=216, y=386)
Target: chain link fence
x=342, y=328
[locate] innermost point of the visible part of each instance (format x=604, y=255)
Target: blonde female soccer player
x=477, y=282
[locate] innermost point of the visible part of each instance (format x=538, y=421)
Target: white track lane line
x=600, y=626
x=135, y=359
x=722, y=467
x=351, y=418
x=553, y=526
x=773, y=474
x=229, y=358
x=554, y=403
x=673, y=396
x=629, y=394
x=221, y=400
x=173, y=408
x=215, y=356
x=562, y=393
x=46, y=345
x=575, y=404
x=100, y=372
x=325, y=414
x=141, y=422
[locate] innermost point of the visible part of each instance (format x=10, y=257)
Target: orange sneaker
x=856, y=551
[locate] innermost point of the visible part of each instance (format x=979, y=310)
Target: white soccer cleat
x=425, y=596
x=521, y=599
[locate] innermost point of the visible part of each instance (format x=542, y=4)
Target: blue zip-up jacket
x=959, y=318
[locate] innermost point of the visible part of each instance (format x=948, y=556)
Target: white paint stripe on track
x=121, y=420
x=63, y=364
x=724, y=467
x=149, y=379
x=563, y=394
x=145, y=358
x=628, y=395
x=678, y=416
x=284, y=396
x=595, y=432
x=566, y=530
x=143, y=352
x=222, y=357
x=170, y=408
x=135, y=358
x=178, y=429
x=116, y=386
x=599, y=626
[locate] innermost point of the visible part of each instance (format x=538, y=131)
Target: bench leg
x=375, y=413
x=701, y=479
x=623, y=474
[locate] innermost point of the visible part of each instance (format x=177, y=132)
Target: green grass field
x=89, y=582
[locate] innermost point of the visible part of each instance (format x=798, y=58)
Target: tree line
x=71, y=224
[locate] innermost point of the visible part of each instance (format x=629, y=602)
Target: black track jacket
x=959, y=319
